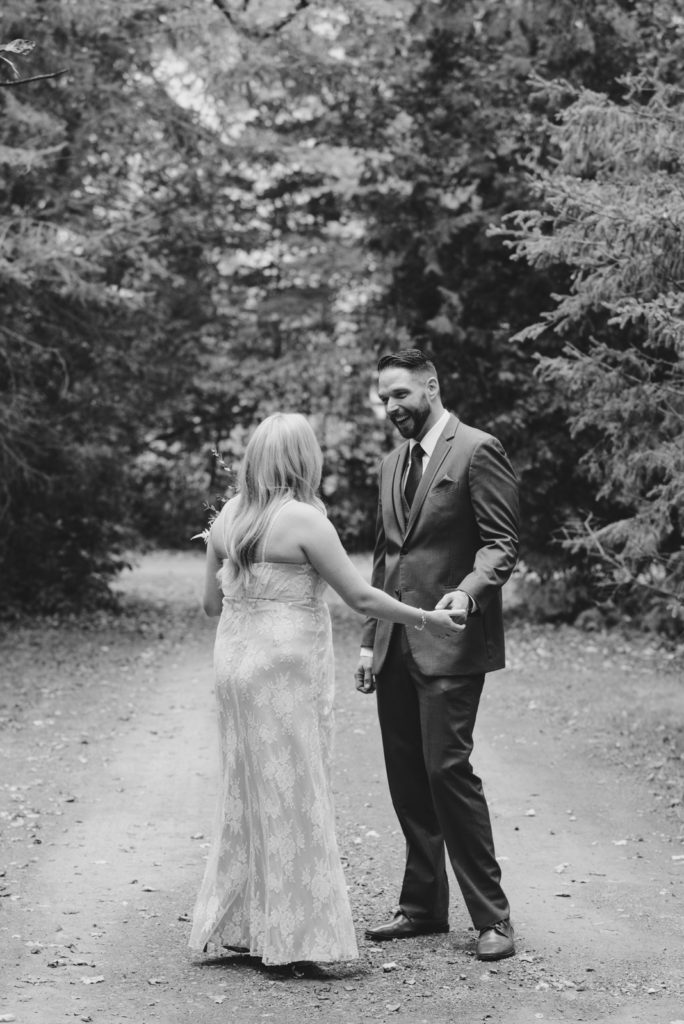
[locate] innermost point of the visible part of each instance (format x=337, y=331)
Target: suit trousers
x=427, y=727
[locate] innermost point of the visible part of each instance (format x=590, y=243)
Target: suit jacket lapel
x=401, y=454
x=441, y=450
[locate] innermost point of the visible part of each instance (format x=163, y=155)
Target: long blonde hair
x=282, y=461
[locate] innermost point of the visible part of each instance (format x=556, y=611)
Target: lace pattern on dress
x=273, y=881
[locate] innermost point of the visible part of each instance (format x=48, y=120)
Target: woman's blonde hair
x=282, y=461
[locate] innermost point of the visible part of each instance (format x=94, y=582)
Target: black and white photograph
x=342, y=511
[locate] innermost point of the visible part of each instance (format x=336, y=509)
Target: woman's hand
x=444, y=623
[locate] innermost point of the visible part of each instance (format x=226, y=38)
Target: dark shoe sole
x=405, y=934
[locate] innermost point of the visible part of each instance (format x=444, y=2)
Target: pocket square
x=446, y=479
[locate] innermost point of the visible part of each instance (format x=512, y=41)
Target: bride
x=273, y=884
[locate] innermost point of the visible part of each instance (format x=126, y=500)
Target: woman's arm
x=378, y=575
x=212, y=600
x=322, y=546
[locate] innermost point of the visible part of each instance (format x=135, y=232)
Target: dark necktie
x=414, y=475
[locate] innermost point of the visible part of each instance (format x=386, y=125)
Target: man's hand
x=458, y=602
x=365, y=680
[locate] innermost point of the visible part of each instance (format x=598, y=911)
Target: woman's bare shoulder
x=300, y=521
x=304, y=508
x=302, y=512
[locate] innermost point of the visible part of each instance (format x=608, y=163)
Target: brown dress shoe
x=496, y=942
x=403, y=927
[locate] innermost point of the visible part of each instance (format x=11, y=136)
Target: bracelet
x=423, y=620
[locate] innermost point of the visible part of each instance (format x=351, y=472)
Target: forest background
x=211, y=210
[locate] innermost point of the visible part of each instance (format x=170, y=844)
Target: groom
x=447, y=537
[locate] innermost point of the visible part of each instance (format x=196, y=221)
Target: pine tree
x=612, y=210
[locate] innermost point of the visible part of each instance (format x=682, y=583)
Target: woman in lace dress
x=273, y=884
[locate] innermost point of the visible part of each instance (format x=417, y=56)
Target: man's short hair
x=408, y=359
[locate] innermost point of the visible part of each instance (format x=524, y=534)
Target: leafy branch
x=597, y=539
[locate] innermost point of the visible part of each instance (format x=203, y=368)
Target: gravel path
x=107, y=762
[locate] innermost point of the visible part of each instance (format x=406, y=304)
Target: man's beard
x=413, y=425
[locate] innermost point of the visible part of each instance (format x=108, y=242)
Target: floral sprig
x=214, y=510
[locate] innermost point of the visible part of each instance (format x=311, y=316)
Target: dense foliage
x=96, y=296
x=224, y=208
x=475, y=122
x=613, y=210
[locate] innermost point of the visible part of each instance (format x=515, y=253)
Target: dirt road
x=107, y=761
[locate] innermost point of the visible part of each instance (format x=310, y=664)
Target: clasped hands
x=448, y=617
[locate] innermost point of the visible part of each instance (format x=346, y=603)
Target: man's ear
x=432, y=386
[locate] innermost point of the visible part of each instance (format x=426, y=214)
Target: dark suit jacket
x=462, y=533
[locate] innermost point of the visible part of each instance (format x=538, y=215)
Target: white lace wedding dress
x=274, y=883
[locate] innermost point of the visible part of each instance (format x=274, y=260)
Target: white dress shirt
x=428, y=442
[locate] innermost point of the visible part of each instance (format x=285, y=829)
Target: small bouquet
x=213, y=510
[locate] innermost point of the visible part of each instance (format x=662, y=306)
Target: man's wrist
x=366, y=652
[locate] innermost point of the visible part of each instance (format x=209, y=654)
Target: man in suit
x=447, y=537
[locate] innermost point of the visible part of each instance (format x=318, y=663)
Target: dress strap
x=269, y=528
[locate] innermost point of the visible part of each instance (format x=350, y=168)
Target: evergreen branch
x=596, y=359
x=591, y=537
